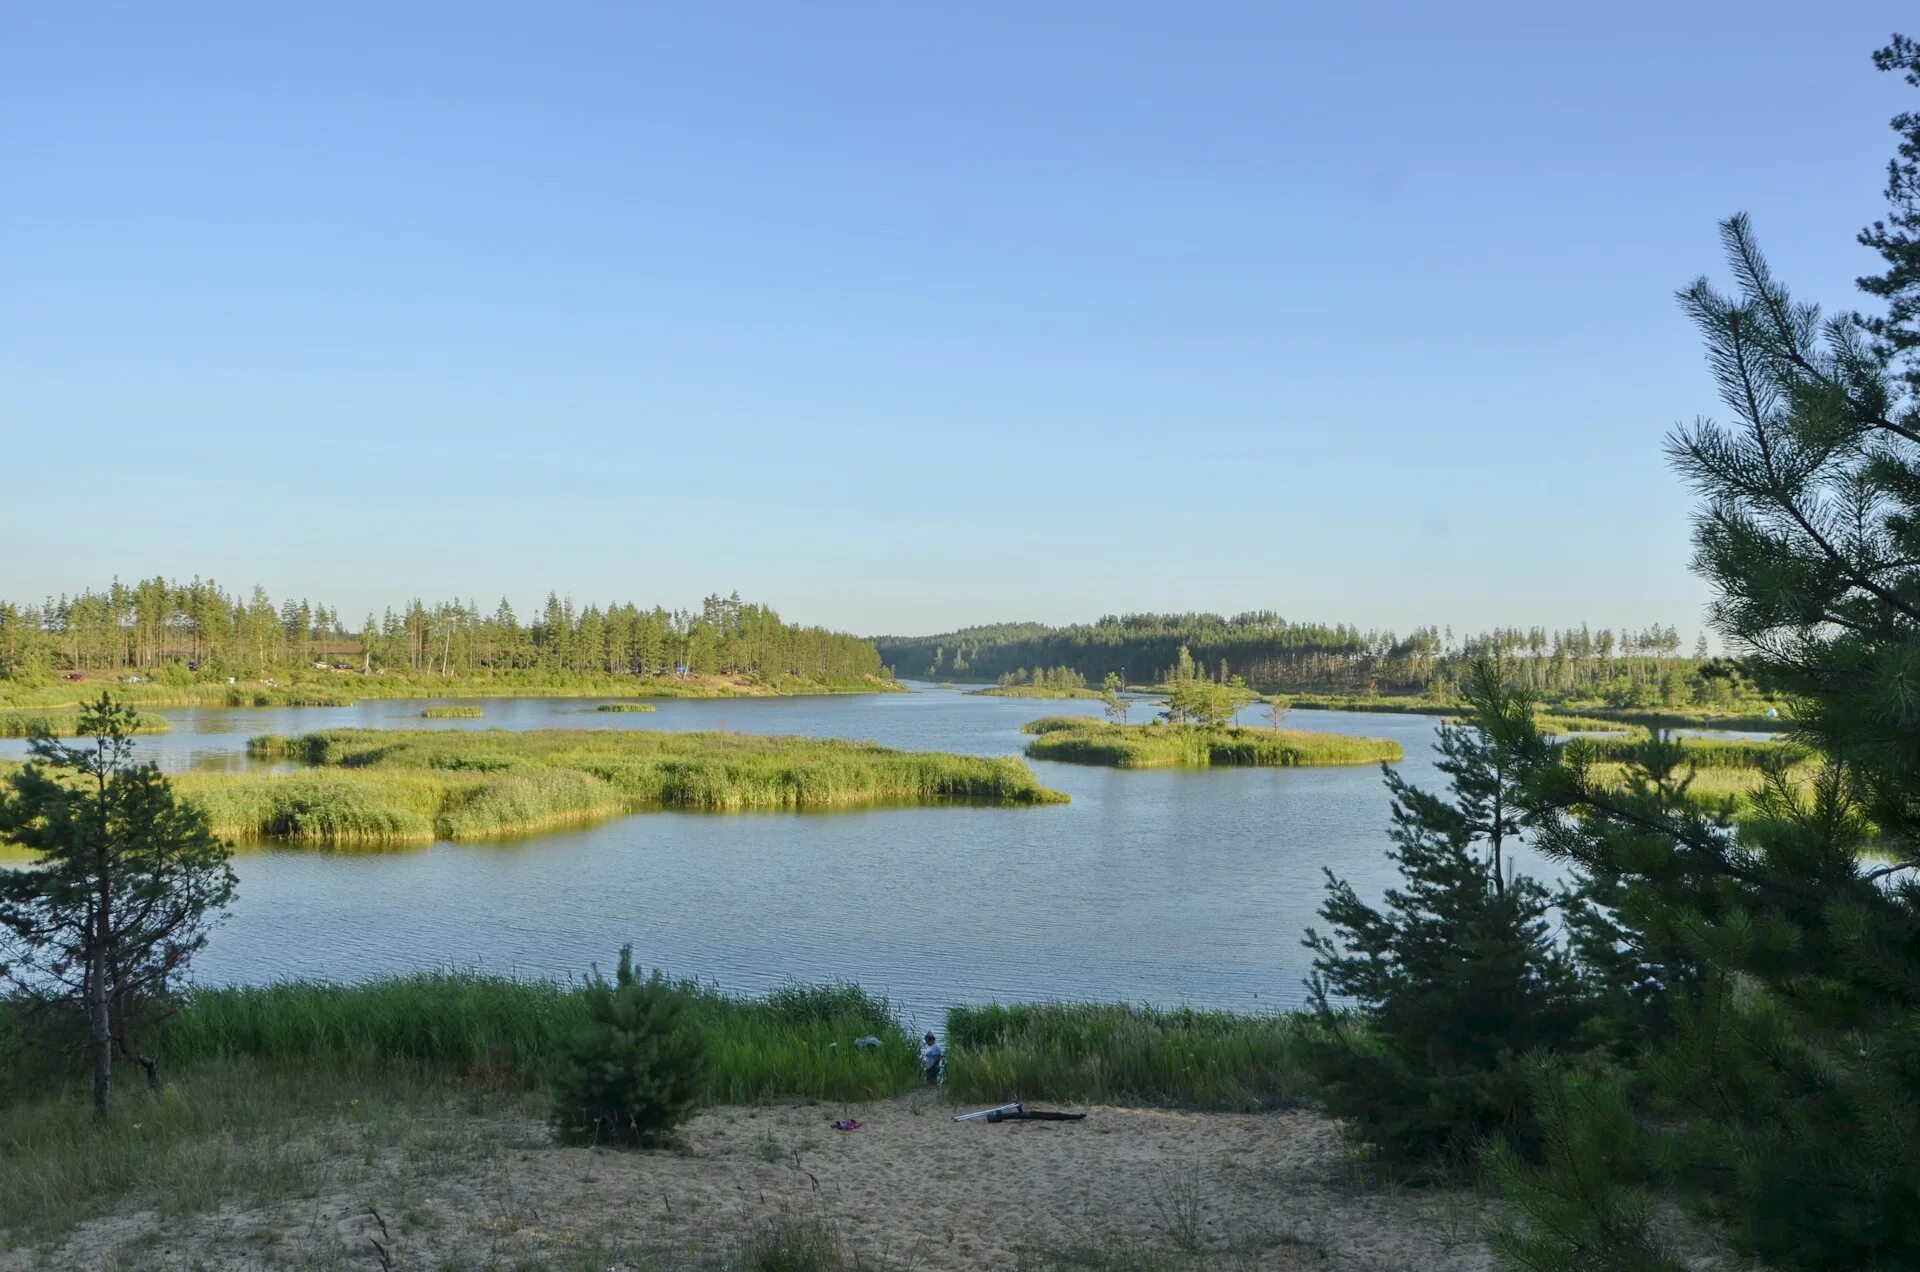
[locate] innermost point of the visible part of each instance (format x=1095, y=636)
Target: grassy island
x=61, y=722
x=1035, y=691
x=1081, y=740
x=453, y=713
x=626, y=706
x=366, y=787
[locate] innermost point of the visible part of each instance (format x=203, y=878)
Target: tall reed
x=1079, y=740
x=369, y=787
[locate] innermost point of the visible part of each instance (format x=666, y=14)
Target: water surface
x=1156, y=886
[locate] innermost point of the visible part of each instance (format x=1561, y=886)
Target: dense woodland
x=1269, y=653
x=161, y=628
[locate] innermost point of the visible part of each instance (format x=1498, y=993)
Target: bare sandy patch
x=910, y=1188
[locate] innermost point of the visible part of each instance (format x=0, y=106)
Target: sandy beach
x=909, y=1189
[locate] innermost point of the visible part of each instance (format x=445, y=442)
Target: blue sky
x=899, y=316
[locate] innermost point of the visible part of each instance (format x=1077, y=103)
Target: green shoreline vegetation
x=453, y=713
x=1083, y=740
x=376, y=788
x=61, y=722
x=254, y=1070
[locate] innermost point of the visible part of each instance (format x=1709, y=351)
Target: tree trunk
x=100, y=1034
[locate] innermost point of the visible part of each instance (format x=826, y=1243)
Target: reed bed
x=453, y=713
x=626, y=706
x=1118, y=1054
x=796, y=1042
x=61, y=722
x=1704, y=753
x=1080, y=740
x=367, y=788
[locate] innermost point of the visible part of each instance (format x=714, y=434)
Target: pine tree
x=1897, y=239
x=1776, y=1070
x=1430, y=1005
x=125, y=881
x=629, y=1074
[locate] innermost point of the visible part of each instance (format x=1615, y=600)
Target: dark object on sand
x=1017, y=1112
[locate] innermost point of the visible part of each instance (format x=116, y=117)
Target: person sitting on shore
x=933, y=1061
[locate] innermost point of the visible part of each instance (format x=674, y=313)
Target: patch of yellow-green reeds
x=367, y=786
x=1111, y=1053
x=626, y=706
x=452, y=713
x=1083, y=740
x=319, y=809
x=61, y=722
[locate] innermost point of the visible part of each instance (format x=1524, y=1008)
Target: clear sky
x=899, y=316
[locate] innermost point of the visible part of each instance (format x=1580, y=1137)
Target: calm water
x=1158, y=887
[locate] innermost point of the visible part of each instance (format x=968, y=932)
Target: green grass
x=1585, y=714
x=626, y=706
x=1704, y=753
x=266, y=1084
x=1116, y=1054
x=453, y=713
x=368, y=787
x=61, y=722
x=1081, y=740
x=253, y=1072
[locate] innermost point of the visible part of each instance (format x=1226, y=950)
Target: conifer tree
x=630, y=1072
x=125, y=883
x=1431, y=1004
x=1777, y=1074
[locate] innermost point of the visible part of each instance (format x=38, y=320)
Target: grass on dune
x=371, y=787
x=255, y=1074
x=452, y=713
x=61, y=722
x=1083, y=740
x=265, y=1082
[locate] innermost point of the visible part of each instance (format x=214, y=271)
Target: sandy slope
x=910, y=1188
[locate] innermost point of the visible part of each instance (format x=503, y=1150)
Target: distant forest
x=1269, y=653
x=197, y=628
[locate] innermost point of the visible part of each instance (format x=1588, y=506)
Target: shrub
x=630, y=1073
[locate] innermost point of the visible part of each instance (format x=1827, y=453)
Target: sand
x=910, y=1188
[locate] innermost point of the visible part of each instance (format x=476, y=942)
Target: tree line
x=1269, y=653
x=199, y=628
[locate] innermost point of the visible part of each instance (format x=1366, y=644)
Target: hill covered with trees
x=171, y=630
x=1274, y=655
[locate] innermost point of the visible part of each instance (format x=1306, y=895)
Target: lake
x=1160, y=886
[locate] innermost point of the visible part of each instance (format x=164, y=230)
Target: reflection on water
x=1155, y=886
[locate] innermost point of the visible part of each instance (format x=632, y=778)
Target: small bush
x=631, y=1072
